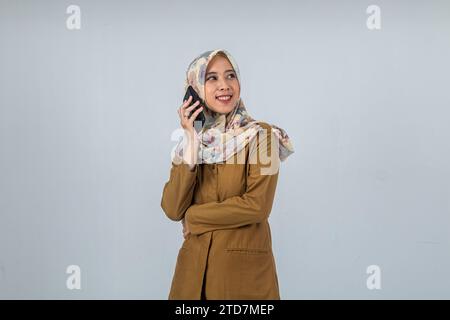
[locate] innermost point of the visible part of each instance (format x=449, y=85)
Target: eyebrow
x=213, y=72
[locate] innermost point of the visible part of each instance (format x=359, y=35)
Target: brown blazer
x=226, y=207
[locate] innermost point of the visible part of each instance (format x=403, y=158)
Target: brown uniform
x=228, y=254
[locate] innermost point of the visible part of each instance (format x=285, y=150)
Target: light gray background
x=86, y=119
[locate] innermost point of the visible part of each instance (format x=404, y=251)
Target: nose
x=223, y=85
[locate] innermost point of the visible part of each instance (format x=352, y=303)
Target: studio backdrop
x=89, y=92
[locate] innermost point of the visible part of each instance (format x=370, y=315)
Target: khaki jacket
x=226, y=206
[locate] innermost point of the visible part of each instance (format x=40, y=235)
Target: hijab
x=224, y=135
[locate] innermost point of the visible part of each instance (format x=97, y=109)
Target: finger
x=181, y=114
x=189, y=99
x=196, y=112
x=189, y=107
x=196, y=103
x=187, y=102
x=189, y=110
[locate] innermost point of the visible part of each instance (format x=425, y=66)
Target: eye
x=232, y=75
x=211, y=77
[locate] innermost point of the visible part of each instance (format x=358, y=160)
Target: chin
x=224, y=109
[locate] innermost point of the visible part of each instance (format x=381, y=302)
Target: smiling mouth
x=224, y=98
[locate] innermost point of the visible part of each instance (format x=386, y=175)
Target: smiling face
x=222, y=89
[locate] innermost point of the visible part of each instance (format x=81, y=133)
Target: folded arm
x=179, y=190
x=254, y=205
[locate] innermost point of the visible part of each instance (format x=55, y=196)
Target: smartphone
x=195, y=97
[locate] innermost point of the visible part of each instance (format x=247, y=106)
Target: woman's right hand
x=184, y=111
x=190, y=135
x=186, y=231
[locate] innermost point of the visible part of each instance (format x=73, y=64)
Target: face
x=222, y=90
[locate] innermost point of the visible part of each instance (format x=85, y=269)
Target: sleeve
x=254, y=205
x=179, y=190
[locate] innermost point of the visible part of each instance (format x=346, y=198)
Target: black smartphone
x=195, y=97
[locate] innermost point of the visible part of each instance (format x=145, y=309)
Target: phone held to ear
x=195, y=97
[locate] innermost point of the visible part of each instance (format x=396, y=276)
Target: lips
x=224, y=97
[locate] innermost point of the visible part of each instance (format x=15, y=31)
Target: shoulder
x=265, y=130
x=265, y=125
x=263, y=151
x=262, y=138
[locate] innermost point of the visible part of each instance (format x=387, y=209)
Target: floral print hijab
x=222, y=135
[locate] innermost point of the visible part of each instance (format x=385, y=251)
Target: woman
x=222, y=185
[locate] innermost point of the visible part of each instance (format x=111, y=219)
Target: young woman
x=222, y=186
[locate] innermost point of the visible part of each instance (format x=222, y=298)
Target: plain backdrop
x=86, y=118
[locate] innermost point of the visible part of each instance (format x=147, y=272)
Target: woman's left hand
x=186, y=231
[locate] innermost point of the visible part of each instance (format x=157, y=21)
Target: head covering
x=224, y=135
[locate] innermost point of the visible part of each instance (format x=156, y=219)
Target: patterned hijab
x=224, y=135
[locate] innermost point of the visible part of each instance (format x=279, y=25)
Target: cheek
x=208, y=90
x=210, y=97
